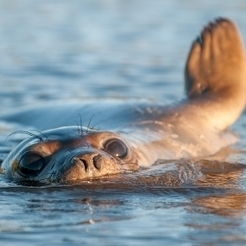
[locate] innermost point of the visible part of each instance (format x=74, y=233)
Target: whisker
x=77, y=124
x=81, y=129
x=83, y=138
x=41, y=133
x=27, y=133
x=88, y=126
x=94, y=126
x=81, y=123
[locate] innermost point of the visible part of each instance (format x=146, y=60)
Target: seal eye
x=116, y=147
x=31, y=164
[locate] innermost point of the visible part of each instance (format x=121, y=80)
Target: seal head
x=69, y=154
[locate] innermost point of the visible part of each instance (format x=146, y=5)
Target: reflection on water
x=227, y=205
x=138, y=208
x=76, y=49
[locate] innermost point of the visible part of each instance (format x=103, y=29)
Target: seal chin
x=63, y=157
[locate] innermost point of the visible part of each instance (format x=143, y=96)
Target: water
x=110, y=48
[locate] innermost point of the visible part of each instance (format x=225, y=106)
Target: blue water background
x=65, y=50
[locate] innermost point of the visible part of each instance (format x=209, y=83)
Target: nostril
x=89, y=163
x=85, y=164
x=97, y=162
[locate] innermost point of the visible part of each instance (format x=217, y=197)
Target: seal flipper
x=215, y=74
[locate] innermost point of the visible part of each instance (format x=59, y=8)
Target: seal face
x=67, y=154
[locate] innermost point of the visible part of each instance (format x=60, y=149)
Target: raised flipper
x=215, y=74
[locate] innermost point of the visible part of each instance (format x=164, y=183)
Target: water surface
x=63, y=50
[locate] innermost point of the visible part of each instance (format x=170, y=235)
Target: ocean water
x=65, y=50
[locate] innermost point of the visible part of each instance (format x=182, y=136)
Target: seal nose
x=89, y=161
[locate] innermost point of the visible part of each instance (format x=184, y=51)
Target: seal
x=125, y=135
